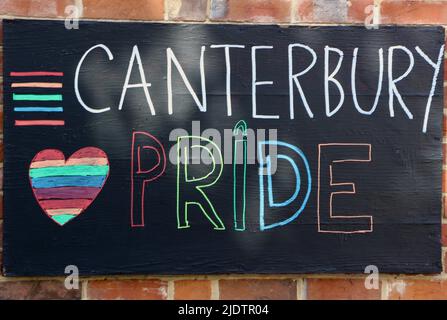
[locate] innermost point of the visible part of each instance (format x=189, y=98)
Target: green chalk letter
x=190, y=190
x=239, y=174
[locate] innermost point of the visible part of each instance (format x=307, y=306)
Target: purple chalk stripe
x=66, y=193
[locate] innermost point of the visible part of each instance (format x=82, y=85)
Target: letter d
x=268, y=174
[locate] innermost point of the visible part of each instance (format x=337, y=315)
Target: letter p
x=147, y=146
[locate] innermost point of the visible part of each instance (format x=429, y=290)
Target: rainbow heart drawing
x=65, y=188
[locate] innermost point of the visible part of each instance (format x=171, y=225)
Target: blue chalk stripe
x=38, y=109
x=68, y=181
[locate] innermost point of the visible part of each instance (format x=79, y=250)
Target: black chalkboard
x=330, y=140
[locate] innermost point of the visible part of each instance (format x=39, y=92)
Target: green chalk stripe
x=63, y=218
x=37, y=97
x=69, y=171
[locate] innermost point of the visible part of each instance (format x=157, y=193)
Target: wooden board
x=96, y=119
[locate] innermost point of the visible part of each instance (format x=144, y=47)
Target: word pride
x=193, y=191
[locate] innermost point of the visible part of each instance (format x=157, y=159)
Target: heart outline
x=41, y=156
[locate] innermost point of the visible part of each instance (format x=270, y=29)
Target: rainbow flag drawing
x=42, y=91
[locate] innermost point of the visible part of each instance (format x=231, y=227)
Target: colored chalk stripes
x=34, y=98
x=36, y=74
x=64, y=189
x=36, y=85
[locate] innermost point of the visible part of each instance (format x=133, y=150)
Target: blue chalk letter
x=267, y=166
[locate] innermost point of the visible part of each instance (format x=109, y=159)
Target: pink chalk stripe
x=36, y=73
x=71, y=161
x=25, y=123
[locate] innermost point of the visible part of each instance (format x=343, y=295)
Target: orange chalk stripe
x=36, y=85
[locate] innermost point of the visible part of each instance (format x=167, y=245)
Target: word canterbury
x=334, y=92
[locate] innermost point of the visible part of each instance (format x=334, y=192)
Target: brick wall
x=341, y=286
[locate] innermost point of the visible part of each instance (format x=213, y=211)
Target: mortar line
x=215, y=294
x=84, y=294
x=171, y=290
x=293, y=7
x=384, y=289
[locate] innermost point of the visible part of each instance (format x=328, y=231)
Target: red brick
x=444, y=205
x=255, y=289
x=305, y=10
x=192, y=10
x=124, y=9
x=321, y=11
x=444, y=153
x=340, y=289
x=445, y=262
x=414, y=11
x=445, y=87
x=36, y=290
x=444, y=181
x=356, y=10
x=34, y=8
x=418, y=290
x=192, y=290
x=444, y=234
x=127, y=289
x=1, y=210
x=445, y=61
x=251, y=10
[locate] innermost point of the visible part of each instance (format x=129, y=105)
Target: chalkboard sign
x=149, y=148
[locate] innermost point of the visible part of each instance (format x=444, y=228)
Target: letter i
x=239, y=174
